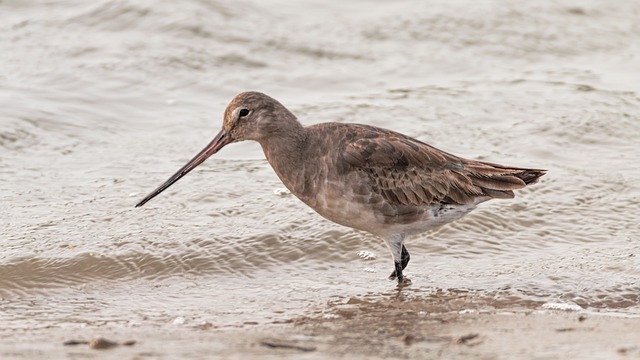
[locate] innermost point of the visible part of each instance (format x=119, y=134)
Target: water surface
x=103, y=100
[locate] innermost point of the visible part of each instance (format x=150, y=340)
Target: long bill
x=216, y=144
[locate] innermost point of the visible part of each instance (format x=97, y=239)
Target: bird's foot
x=394, y=277
x=404, y=282
x=397, y=275
x=404, y=260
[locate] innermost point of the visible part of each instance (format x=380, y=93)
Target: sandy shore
x=355, y=329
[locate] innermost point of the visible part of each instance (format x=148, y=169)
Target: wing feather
x=406, y=171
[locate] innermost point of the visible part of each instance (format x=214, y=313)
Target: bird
x=360, y=176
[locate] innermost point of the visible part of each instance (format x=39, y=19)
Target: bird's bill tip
x=213, y=147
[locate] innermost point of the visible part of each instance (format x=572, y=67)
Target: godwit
x=361, y=176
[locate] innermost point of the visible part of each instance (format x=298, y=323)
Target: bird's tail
x=499, y=181
x=530, y=176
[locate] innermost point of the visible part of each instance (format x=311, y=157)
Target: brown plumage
x=414, y=173
x=361, y=176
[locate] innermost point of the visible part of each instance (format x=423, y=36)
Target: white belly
x=355, y=212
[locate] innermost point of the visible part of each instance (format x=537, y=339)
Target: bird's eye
x=244, y=112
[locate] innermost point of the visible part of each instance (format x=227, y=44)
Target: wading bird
x=360, y=176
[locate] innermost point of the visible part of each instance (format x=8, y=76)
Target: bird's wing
x=406, y=171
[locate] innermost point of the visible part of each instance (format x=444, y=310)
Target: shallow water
x=102, y=101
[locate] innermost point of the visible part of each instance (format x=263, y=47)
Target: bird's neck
x=285, y=150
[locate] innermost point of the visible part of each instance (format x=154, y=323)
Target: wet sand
x=358, y=329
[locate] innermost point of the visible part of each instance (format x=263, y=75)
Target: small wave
x=32, y=274
x=231, y=256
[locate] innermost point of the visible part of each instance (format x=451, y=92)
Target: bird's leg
x=404, y=260
x=397, y=273
x=405, y=257
x=400, y=257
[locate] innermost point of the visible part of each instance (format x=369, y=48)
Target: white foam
x=367, y=255
x=562, y=306
x=180, y=320
x=468, y=311
x=282, y=191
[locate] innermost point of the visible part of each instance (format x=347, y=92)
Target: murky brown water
x=102, y=101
